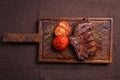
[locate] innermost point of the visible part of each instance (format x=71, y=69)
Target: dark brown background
x=18, y=61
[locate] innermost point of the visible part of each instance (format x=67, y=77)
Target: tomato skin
x=61, y=42
x=63, y=28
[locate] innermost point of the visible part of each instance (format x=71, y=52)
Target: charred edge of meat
x=79, y=48
x=83, y=41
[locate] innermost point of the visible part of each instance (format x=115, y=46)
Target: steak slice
x=83, y=41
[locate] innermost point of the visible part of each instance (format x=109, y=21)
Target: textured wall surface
x=19, y=61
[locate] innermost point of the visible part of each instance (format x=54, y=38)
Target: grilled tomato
x=60, y=42
x=63, y=28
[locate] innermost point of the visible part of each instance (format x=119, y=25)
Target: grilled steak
x=83, y=41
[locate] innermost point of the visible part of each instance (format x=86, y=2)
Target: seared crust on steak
x=83, y=41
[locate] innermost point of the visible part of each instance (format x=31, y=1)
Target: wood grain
x=19, y=37
x=103, y=28
x=103, y=33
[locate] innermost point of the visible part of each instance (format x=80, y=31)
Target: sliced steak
x=83, y=41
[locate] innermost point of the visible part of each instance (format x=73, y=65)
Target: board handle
x=20, y=37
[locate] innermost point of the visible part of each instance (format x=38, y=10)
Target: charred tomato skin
x=63, y=28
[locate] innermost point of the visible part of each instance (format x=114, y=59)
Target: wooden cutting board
x=103, y=32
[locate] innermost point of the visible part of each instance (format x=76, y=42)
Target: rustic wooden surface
x=102, y=32
x=19, y=37
x=18, y=61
